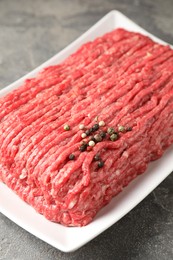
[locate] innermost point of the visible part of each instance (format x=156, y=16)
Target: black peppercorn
x=129, y=128
x=83, y=147
x=102, y=134
x=97, y=157
x=87, y=132
x=71, y=156
x=95, y=127
x=91, y=138
x=100, y=164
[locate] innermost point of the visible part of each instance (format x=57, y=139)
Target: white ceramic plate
x=69, y=239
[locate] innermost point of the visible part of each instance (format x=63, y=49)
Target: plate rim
x=71, y=247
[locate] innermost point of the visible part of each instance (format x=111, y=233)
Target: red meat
x=122, y=78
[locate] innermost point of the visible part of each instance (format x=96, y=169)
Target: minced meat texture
x=123, y=79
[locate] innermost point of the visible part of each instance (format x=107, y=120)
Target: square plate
x=71, y=238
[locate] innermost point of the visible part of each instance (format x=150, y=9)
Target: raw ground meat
x=122, y=81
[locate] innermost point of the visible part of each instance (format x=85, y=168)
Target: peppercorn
x=101, y=123
x=81, y=127
x=121, y=128
x=97, y=157
x=91, y=138
x=83, y=135
x=91, y=143
x=83, y=147
x=66, y=127
x=95, y=127
x=71, y=156
x=114, y=137
x=128, y=128
x=102, y=134
x=110, y=130
x=100, y=164
x=88, y=132
x=98, y=138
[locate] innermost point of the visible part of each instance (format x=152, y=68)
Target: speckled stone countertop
x=30, y=33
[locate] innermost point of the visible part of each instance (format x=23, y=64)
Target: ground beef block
x=120, y=88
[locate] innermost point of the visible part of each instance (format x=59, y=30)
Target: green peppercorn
x=110, y=130
x=100, y=164
x=114, y=137
x=121, y=128
x=71, y=156
x=66, y=127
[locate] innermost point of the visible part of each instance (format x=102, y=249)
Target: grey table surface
x=30, y=33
